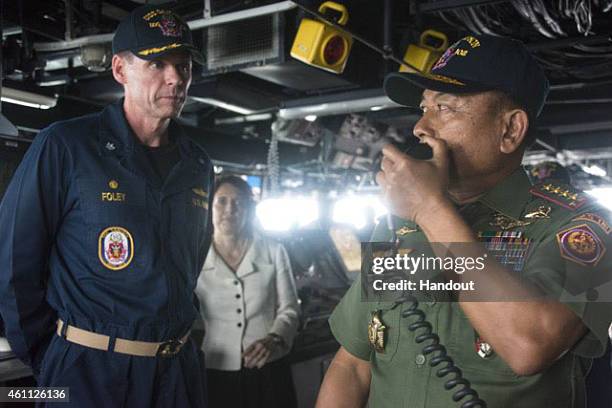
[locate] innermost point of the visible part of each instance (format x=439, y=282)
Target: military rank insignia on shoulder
x=560, y=194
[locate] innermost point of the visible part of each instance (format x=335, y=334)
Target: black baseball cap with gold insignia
x=153, y=30
x=477, y=63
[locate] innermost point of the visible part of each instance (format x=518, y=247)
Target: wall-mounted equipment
x=424, y=54
x=321, y=45
x=298, y=131
x=96, y=57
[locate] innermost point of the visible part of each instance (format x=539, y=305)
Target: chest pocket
x=462, y=349
x=196, y=208
x=190, y=210
x=116, y=228
x=186, y=215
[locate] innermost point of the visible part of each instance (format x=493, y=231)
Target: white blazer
x=237, y=309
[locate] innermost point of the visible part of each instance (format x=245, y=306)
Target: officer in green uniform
x=477, y=103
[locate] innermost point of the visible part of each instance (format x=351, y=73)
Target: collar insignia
x=541, y=212
x=405, y=231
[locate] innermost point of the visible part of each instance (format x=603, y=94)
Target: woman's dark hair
x=239, y=184
x=245, y=192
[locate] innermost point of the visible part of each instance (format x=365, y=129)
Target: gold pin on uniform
x=505, y=223
x=376, y=332
x=405, y=231
x=200, y=192
x=541, y=212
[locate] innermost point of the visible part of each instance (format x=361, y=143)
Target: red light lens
x=334, y=50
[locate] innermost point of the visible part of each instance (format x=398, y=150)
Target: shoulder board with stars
x=560, y=194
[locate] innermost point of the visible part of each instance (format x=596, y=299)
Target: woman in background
x=249, y=305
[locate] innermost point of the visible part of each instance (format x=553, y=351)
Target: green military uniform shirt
x=401, y=374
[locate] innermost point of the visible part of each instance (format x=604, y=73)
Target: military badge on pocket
x=115, y=248
x=376, y=332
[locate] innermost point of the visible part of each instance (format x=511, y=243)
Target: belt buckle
x=170, y=348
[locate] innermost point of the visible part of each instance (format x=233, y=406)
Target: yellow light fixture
x=423, y=55
x=321, y=45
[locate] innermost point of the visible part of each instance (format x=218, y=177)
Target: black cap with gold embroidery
x=151, y=31
x=477, y=63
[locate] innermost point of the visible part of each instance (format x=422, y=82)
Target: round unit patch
x=115, y=248
x=580, y=244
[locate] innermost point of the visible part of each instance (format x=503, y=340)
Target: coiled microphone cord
x=441, y=355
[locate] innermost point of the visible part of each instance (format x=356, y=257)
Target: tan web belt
x=132, y=347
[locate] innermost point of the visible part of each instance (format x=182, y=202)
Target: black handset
x=418, y=150
x=411, y=147
x=440, y=355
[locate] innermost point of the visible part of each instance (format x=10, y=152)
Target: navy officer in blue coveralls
x=105, y=226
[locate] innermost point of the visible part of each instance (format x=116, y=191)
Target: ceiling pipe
x=68, y=13
x=193, y=24
x=338, y=104
x=242, y=15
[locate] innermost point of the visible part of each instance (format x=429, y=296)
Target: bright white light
x=224, y=105
x=310, y=118
x=603, y=196
x=217, y=169
x=355, y=210
x=282, y=214
x=377, y=108
x=292, y=183
x=24, y=103
x=595, y=170
x=28, y=99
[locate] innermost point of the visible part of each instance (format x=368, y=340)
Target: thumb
x=249, y=349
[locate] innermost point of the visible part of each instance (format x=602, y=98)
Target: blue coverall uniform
x=91, y=237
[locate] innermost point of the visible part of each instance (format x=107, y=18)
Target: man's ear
x=119, y=67
x=516, y=123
